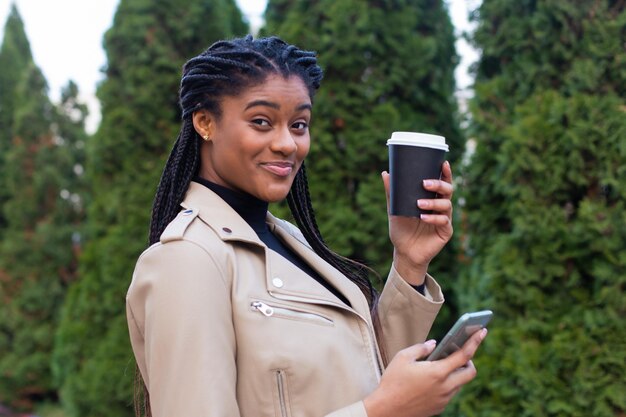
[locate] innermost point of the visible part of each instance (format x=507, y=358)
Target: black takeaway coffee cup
x=413, y=157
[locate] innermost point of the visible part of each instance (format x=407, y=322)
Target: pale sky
x=66, y=40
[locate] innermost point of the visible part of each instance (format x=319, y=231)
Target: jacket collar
x=225, y=221
x=218, y=215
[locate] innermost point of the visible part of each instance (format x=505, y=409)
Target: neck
x=250, y=208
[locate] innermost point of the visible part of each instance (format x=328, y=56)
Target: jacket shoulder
x=188, y=226
x=176, y=229
x=186, y=241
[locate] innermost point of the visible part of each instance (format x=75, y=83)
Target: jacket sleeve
x=353, y=410
x=406, y=315
x=179, y=318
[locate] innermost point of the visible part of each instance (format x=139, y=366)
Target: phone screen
x=463, y=329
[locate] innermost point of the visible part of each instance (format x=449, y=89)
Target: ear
x=204, y=123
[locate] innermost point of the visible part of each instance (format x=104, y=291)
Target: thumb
x=385, y=177
x=419, y=351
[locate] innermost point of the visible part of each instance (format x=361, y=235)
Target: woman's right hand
x=411, y=387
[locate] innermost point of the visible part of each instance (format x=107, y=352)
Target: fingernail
x=483, y=334
x=428, y=183
x=424, y=216
x=431, y=342
x=423, y=203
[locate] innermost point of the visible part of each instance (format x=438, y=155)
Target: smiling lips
x=279, y=168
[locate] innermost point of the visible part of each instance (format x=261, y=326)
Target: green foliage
x=15, y=58
x=49, y=410
x=146, y=48
x=546, y=200
x=38, y=248
x=388, y=67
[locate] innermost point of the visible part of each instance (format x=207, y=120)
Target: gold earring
x=206, y=137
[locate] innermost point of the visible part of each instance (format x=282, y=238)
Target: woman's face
x=259, y=142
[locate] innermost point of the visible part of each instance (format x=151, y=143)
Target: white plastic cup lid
x=418, y=139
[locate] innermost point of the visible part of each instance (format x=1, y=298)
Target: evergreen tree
x=15, y=58
x=389, y=66
x=146, y=48
x=37, y=250
x=546, y=200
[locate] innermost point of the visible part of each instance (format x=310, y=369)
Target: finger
x=418, y=351
x=441, y=187
x=464, y=355
x=450, y=394
x=446, y=172
x=462, y=376
x=435, y=219
x=440, y=205
x=385, y=176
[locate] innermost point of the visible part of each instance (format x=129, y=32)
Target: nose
x=283, y=142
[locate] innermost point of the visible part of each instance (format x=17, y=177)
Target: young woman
x=233, y=312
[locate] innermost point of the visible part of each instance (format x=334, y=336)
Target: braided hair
x=225, y=69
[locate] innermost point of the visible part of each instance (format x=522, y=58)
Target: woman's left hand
x=417, y=241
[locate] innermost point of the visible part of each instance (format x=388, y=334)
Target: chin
x=275, y=195
x=275, y=198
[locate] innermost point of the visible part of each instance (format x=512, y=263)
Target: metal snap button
x=278, y=283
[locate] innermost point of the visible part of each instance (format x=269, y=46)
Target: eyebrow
x=276, y=106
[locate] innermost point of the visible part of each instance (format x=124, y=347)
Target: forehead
x=278, y=89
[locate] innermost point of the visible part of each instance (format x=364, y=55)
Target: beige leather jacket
x=223, y=326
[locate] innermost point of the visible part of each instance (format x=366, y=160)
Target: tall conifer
x=389, y=66
x=146, y=48
x=15, y=59
x=39, y=246
x=546, y=197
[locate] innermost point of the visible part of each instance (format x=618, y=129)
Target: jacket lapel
x=328, y=272
x=283, y=279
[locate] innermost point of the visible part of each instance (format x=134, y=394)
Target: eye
x=300, y=126
x=260, y=122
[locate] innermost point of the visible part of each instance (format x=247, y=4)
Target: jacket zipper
x=377, y=363
x=269, y=311
x=281, y=392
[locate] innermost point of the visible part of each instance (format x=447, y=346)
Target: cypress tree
x=38, y=250
x=146, y=48
x=15, y=58
x=546, y=197
x=389, y=66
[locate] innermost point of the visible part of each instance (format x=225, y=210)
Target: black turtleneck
x=254, y=212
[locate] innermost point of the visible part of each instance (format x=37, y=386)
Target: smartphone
x=466, y=326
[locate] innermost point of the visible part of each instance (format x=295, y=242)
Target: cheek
x=303, y=148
